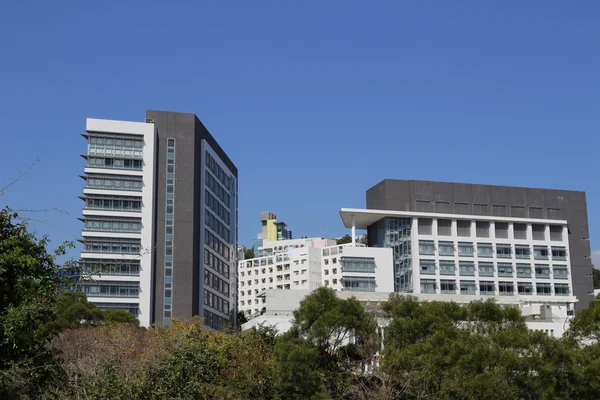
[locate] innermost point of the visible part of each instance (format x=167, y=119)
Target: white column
x=353, y=232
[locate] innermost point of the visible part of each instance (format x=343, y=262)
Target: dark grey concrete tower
x=195, y=225
x=500, y=201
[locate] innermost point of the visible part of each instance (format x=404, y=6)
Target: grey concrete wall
x=506, y=201
x=181, y=127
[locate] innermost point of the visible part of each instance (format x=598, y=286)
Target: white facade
x=306, y=264
x=280, y=305
x=118, y=215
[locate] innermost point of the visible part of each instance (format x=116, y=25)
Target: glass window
x=560, y=272
x=482, y=229
x=444, y=227
x=446, y=248
x=468, y=287
x=523, y=271
x=486, y=288
x=463, y=228
x=448, y=286
x=485, y=250
x=447, y=267
x=486, y=268
x=540, y=252
x=503, y=251
x=543, y=289
x=525, y=288
x=561, y=289
x=505, y=269
x=426, y=247
x=559, y=253
x=428, y=286
x=520, y=231
x=506, y=289
x=427, y=267
x=501, y=230
x=556, y=233
x=466, y=268
x=542, y=271
x=522, y=251
x=538, y=232
x=465, y=249
x=425, y=226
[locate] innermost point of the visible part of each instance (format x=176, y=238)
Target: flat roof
x=365, y=217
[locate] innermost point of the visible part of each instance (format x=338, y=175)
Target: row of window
x=212, y=203
x=213, y=281
x=117, y=182
x=359, y=283
x=115, y=140
x=111, y=245
x=114, y=152
x=169, y=222
x=215, y=321
x=116, y=163
x=110, y=289
x=216, y=169
x=358, y=264
x=213, y=223
x=217, y=189
x=216, y=263
x=113, y=224
x=427, y=247
x=489, y=288
x=482, y=229
x=467, y=268
x=216, y=244
x=131, y=308
x=216, y=302
x=119, y=203
x=110, y=267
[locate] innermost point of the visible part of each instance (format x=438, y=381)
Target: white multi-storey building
x=306, y=264
x=118, y=215
x=457, y=257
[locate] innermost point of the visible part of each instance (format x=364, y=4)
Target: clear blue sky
x=315, y=101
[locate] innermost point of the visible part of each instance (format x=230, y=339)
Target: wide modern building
x=160, y=216
x=309, y=263
x=523, y=241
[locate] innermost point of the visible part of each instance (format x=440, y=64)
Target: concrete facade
x=498, y=201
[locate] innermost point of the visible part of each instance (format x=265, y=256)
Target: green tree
x=27, y=299
x=337, y=335
x=74, y=311
x=248, y=254
x=344, y=239
x=596, y=277
x=112, y=316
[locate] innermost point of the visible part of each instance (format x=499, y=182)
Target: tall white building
x=118, y=215
x=306, y=264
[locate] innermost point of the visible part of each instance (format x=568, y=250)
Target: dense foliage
x=59, y=346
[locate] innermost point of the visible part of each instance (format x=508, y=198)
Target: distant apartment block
x=160, y=220
x=306, y=264
x=271, y=230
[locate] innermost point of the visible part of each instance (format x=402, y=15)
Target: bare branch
x=28, y=169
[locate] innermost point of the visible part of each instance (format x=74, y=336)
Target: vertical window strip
x=169, y=229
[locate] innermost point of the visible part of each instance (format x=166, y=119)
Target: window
x=542, y=271
x=119, y=203
x=111, y=245
x=115, y=182
x=465, y=249
x=444, y=227
x=442, y=207
x=110, y=289
x=358, y=283
x=522, y=251
x=525, y=288
x=480, y=209
x=556, y=233
x=463, y=228
x=112, y=224
x=506, y=289
x=447, y=267
x=517, y=212
x=540, y=252
x=462, y=208
x=538, y=232
x=466, y=268
x=485, y=250
x=520, y=231
x=426, y=247
x=523, y=271
x=423, y=206
x=486, y=288
x=95, y=266
x=448, y=286
x=560, y=272
x=543, y=289
x=482, y=229
x=559, y=253
x=503, y=251
x=468, y=287
x=446, y=248
x=505, y=270
x=499, y=211
x=561, y=289
x=536, y=212
x=501, y=230
x=427, y=285
x=427, y=267
x=486, y=269
x=425, y=226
